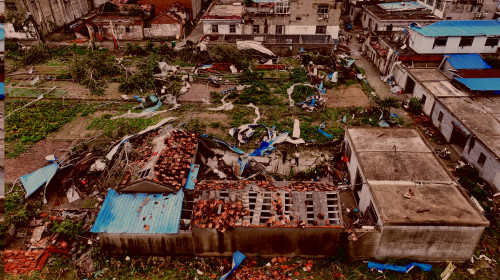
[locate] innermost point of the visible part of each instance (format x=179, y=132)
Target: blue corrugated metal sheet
x=467, y=61
x=460, y=28
x=33, y=181
x=481, y=84
x=193, y=174
x=134, y=213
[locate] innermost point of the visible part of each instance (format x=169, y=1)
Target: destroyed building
x=176, y=213
x=421, y=210
x=282, y=23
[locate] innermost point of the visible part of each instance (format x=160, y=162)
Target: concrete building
x=421, y=210
x=472, y=125
x=463, y=10
x=395, y=16
x=281, y=22
x=467, y=36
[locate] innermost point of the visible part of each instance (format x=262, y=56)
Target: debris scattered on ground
x=218, y=214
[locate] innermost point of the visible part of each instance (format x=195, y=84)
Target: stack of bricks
x=172, y=167
x=221, y=185
x=25, y=261
x=218, y=214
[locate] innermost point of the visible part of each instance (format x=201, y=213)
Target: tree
x=386, y=104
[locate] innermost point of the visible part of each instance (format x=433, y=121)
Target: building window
x=256, y=29
x=347, y=150
x=481, y=160
x=215, y=28
x=10, y=6
x=439, y=5
x=492, y=41
x=476, y=8
x=279, y=29
x=298, y=18
x=282, y=7
x=448, y=18
x=466, y=41
x=323, y=9
x=440, y=41
x=232, y=28
x=440, y=117
x=127, y=29
x=424, y=98
x=321, y=29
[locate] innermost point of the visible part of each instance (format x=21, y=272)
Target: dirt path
x=344, y=97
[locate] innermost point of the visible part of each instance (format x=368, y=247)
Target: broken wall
x=163, y=30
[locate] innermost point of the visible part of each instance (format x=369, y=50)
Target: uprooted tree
x=92, y=69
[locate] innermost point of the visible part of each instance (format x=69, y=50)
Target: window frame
x=254, y=28
x=440, y=117
x=214, y=28
x=320, y=29
x=440, y=39
x=281, y=29
x=232, y=28
x=481, y=160
x=321, y=9
x=466, y=41
x=492, y=38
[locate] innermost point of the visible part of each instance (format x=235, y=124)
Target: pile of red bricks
x=172, y=167
x=304, y=186
x=218, y=214
x=24, y=261
x=220, y=185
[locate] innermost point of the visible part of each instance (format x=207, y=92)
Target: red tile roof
x=162, y=6
x=164, y=19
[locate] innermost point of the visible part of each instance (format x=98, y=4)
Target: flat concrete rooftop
x=481, y=115
x=431, y=204
x=225, y=11
x=427, y=74
x=444, y=89
x=396, y=154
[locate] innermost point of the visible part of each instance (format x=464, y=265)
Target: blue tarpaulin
x=460, y=28
x=467, y=61
x=263, y=149
x=398, y=268
x=193, y=174
x=33, y=181
x=238, y=257
x=154, y=108
x=139, y=213
x=481, y=84
x=321, y=126
x=350, y=62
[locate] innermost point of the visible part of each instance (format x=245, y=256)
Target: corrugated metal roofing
x=467, y=61
x=139, y=213
x=193, y=174
x=481, y=84
x=460, y=28
x=33, y=181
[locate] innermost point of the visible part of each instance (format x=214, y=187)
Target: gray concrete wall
x=366, y=245
x=420, y=91
x=490, y=171
x=445, y=125
x=148, y=244
x=429, y=243
x=267, y=241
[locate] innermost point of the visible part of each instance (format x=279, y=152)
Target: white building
x=421, y=210
x=465, y=36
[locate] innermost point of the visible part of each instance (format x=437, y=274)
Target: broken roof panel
x=460, y=28
x=33, y=181
x=467, y=61
x=481, y=84
x=139, y=213
x=193, y=174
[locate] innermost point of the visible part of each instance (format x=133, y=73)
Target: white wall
x=424, y=45
x=162, y=30
x=419, y=91
x=490, y=171
x=12, y=34
x=445, y=126
x=223, y=27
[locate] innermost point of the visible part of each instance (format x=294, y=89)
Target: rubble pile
x=279, y=268
x=220, y=185
x=218, y=214
x=173, y=164
x=27, y=261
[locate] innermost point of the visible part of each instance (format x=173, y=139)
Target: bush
x=67, y=228
x=299, y=75
x=415, y=105
x=134, y=49
x=36, y=54
x=144, y=78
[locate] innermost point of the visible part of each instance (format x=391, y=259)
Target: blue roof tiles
x=139, y=213
x=467, y=61
x=460, y=28
x=481, y=84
